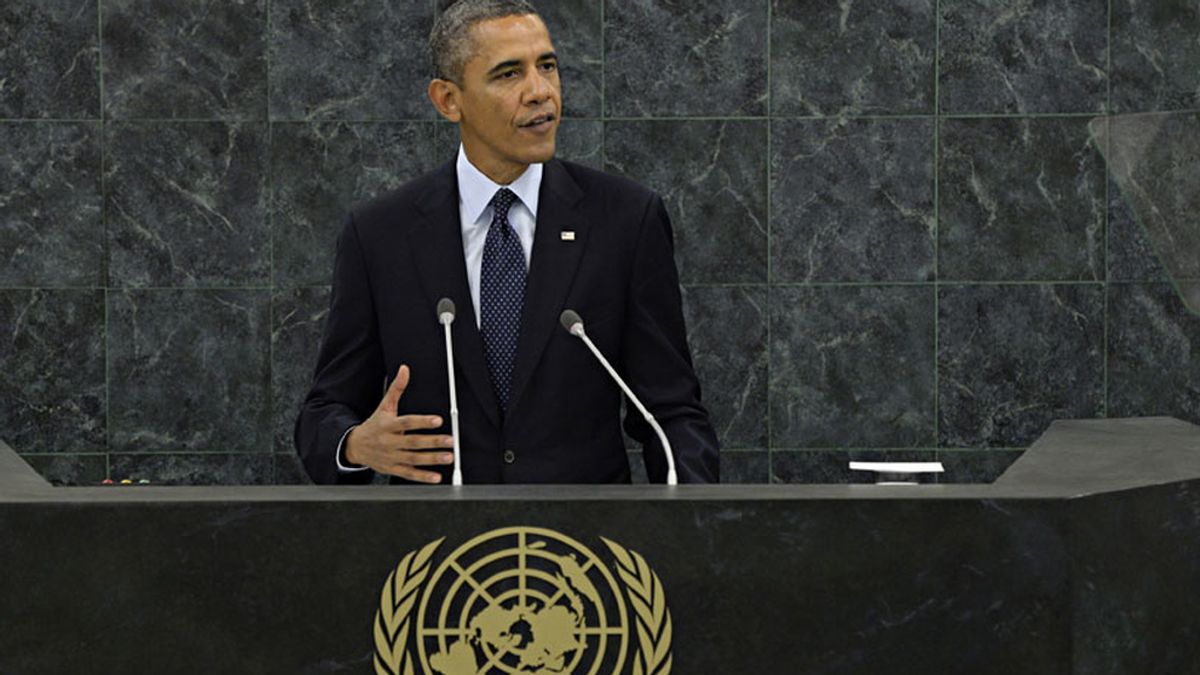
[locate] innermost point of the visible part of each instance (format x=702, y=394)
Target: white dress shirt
x=475, y=192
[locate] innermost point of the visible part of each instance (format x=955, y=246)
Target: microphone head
x=570, y=319
x=445, y=310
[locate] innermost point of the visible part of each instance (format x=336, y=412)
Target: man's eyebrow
x=511, y=63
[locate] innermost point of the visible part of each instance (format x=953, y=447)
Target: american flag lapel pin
x=568, y=235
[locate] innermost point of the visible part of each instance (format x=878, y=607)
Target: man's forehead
x=510, y=37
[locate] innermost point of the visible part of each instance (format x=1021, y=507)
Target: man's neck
x=501, y=174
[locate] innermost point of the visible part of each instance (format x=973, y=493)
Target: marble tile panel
x=298, y=322
x=852, y=200
x=1020, y=199
x=1155, y=55
x=185, y=60
x=189, y=371
x=866, y=57
x=1153, y=353
x=1131, y=256
x=289, y=470
x=582, y=142
x=52, y=385
x=1013, y=358
x=685, y=58
x=741, y=467
x=637, y=468
x=1025, y=57
x=186, y=204
x=321, y=171
x=825, y=466
x=852, y=366
x=713, y=179
x=349, y=60
x=70, y=469
x=727, y=333
x=51, y=230
x=49, y=60
x=575, y=30
x=976, y=465
x=193, y=469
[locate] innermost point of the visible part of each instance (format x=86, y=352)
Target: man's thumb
x=391, y=399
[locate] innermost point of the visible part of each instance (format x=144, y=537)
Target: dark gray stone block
x=1153, y=353
x=852, y=200
x=185, y=60
x=714, y=181
x=580, y=141
x=874, y=57
x=49, y=60
x=321, y=171
x=298, y=323
x=1155, y=56
x=70, y=469
x=1131, y=256
x=852, y=366
x=965, y=465
x=1011, y=359
x=186, y=204
x=1023, y=58
x=1020, y=199
x=51, y=231
x=355, y=60
x=52, y=386
x=193, y=469
x=685, y=58
x=289, y=470
x=727, y=332
x=575, y=29
x=189, y=371
x=745, y=467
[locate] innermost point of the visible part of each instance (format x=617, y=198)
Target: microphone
x=571, y=321
x=445, y=312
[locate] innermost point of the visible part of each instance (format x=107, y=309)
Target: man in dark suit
x=513, y=237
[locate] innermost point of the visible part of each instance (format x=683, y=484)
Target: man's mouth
x=539, y=121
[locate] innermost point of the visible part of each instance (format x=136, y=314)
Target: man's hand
x=383, y=444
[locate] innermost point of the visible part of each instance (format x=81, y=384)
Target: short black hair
x=450, y=44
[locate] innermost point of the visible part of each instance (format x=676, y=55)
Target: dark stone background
x=895, y=237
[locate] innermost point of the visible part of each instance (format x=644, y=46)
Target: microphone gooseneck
x=445, y=312
x=573, y=323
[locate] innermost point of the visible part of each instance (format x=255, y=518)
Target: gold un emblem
x=521, y=600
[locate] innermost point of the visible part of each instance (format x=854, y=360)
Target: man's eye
x=507, y=75
x=549, y=66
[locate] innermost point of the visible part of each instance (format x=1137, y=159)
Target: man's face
x=509, y=100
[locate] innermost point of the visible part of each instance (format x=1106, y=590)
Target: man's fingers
x=423, y=458
x=391, y=399
x=405, y=423
x=405, y=471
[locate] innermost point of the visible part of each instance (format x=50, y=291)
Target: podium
x=1083, y=557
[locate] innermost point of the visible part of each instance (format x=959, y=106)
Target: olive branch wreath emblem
x=403, y=587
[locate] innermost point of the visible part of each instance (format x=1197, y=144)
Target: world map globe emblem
x=521, y=600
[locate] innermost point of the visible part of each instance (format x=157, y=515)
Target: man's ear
x=445, y=97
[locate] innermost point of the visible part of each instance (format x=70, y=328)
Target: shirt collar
x=476, y=190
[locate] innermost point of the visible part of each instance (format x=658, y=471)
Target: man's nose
x=538, y=86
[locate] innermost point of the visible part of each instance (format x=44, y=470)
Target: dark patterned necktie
x=501, y=295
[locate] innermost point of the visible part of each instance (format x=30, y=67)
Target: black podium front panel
x=1083, y=558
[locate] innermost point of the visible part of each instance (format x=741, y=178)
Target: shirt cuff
x=346, y=466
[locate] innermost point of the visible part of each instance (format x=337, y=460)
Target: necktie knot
x=502, y=201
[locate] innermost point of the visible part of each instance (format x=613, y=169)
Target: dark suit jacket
x=399, y=254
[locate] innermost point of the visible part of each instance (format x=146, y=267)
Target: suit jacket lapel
x=437, y=249
x=551, y=270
